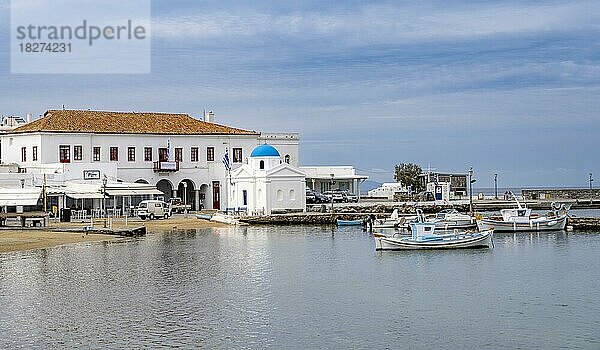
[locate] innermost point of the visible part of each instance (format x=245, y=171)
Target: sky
x=508, y=87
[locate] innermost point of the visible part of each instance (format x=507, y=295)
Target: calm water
x=302, y=287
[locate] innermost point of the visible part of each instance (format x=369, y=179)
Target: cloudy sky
x=510, y=87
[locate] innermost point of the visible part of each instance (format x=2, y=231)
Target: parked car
x=321, y=198
x=349, y=197
x=177, y=205
x=311, y=198
x=337, y=196
x=153, y=209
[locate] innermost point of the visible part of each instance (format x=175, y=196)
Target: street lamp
x=23, y=183
x=104, y=181
x=471, y=181
x=331, y=183
x=185, y=199
x=496, y=186
x=591, y=180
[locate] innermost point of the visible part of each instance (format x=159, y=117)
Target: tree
x=408, y=175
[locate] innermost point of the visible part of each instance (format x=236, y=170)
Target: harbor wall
x=561, y=193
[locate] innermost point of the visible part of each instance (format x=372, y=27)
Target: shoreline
x=58, y=234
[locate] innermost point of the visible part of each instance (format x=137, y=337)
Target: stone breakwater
x=584, y=224
x=579, y=223
x=388, y=208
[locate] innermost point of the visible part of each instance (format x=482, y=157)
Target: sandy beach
x=16, y=240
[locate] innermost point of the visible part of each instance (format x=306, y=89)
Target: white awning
x=133, y=192
x=84, y=195
x=19, y=196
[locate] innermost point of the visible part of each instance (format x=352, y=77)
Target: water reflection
x=301, y=287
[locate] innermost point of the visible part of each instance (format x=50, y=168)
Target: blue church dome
x=265, y=151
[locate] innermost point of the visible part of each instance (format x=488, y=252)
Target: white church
x=267, y=184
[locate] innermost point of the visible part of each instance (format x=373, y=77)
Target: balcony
x=164, y=167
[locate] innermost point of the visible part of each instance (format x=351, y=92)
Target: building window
x=279, y=195
x=163, y=155
x=245, y=197
x=23, y=154
x=261, y=165
x=64, y=154
x=210, y=154
x=179, y=154
x=237, y=155
x=292, y=195
x=194, y=154
x=77, y=152
x=147, y=154
x=34, y=154
x=114, y=154
x=287, y=158
x=96, y=154
x=131, y=154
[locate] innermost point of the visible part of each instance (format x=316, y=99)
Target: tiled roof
x=78, y=121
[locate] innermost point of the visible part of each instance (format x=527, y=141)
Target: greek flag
x=168, y=149
x=226, y=160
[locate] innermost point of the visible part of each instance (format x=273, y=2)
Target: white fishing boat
x=450, y=219
x=394, y=221
x=521, y=219
x=424, y=237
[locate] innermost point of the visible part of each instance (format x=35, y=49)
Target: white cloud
x=383, y=24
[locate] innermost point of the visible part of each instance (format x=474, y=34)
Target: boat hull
x=349, y=222
x=480, y=240
x=553, y=224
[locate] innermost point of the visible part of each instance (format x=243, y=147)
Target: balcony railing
x=165, y=166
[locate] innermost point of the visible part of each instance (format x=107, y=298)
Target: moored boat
x=450, y=219
x=424, y=237
x=521, y=219
x=394, y=221
x=340, y=222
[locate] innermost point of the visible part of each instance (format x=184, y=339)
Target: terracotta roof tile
x=79, y=121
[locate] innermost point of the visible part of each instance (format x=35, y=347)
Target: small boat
x=204, y=216
x=394, y=221
x=450, y=219
x=424, y=237
x=225, y=219
x=340, y=222
x=521, y=219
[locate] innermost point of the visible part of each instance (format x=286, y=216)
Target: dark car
x=320, y=198
x=311, y=198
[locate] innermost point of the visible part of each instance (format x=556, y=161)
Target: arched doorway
x=204, y=197
x=186, y=191
x=166, y=187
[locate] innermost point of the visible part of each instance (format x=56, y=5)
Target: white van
x=153, y=209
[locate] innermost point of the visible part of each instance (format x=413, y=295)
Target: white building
x=179, y=154
x=327, y=178
x=387, y=190
x=267, y=183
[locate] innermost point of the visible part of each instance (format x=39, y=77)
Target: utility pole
x=331, y=189
x=591, y=180
x=471, y=181
x=45, y=195
x=496, y=186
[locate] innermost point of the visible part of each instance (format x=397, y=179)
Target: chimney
x=28, y=117
x=209, y=117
